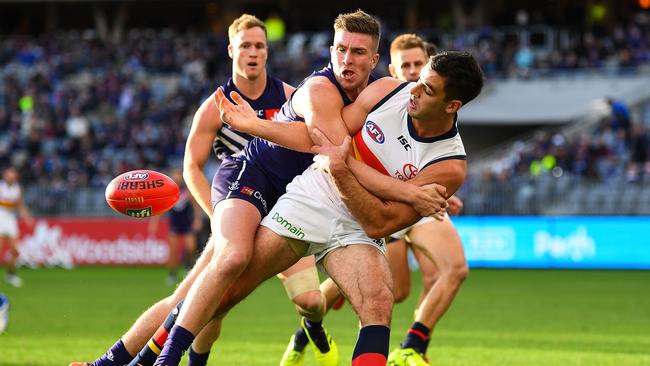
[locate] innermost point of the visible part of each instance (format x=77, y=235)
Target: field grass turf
x=501, y=317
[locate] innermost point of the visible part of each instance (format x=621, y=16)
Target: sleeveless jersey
x=389, y=143
x=9, y=196
x=278, y=162
x=230, y=141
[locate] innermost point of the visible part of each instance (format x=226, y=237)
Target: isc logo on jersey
x=375, y=132
x=134, y=177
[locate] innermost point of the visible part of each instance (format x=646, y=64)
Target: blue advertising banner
x=556, y=242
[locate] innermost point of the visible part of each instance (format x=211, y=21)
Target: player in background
x=424, y=115
x=435, y=243
x=184, y=223
x=266, y=94
x=11, y=206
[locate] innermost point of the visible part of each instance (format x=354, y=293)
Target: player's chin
x=253, y=74
x=350, y=82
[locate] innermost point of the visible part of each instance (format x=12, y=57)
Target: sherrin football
x=142, y=193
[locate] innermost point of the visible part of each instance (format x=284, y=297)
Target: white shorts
x=312, y=211
x=8, y=224
x=402, y=233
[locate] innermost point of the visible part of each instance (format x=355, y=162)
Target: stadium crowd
x=75, y=111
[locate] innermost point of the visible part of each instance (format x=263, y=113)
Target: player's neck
x=354, y=93
x=434, y=126
x=252, y=89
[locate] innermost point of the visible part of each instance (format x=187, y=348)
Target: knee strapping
x=301, y=282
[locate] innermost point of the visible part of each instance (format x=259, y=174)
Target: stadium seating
x=76, y=111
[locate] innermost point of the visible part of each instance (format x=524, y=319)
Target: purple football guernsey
x=230, y=141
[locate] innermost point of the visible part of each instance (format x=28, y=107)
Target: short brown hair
x=245, y=21
x=407, y=41
x=359, y=22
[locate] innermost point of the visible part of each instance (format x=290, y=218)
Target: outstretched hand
x=328, y=154
x=239, y=115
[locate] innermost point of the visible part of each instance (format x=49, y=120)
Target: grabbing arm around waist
x=379, y=217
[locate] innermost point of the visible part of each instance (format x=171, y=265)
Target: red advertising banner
x=69, y=242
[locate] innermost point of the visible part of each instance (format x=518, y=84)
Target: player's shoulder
x=383, y=86
x=380, y=89
x=318, y=81
x=318, y=88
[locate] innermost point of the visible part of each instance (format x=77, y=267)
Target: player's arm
x=240, y=116
x=318, y=102
x=198, y=147
x=381, y=218
x=415, y=192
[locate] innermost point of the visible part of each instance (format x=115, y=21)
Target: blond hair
x=407, y=41
x=245, y=21
x=359, y=22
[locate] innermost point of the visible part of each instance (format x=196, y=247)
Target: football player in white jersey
x=11, y=205
x=400, y=150
x=435, y=243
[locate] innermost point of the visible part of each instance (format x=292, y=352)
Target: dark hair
x=464, y=78
x=431, y=48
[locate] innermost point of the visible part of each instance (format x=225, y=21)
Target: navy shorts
x=180, y=228
x=237, y=177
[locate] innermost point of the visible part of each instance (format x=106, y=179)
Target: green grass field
x=501, y=317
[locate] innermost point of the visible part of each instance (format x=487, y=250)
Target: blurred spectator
x=76, y=110
x=620, y=115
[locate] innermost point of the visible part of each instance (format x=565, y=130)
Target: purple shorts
x=237, y=177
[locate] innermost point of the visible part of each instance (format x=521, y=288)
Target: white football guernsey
x=312, y=209
x=9, y=196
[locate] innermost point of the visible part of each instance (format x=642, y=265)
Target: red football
x=142, y=193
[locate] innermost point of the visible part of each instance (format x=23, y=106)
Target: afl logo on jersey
x=375, y=132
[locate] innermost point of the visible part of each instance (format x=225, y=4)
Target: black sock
x=416, y=337
x=372, y=346
x=147, y=356
x=300, y=340
x=178, y=342
x=317, y=334
x=426, y=346
x=197, y=359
